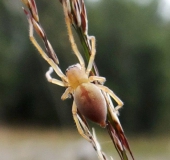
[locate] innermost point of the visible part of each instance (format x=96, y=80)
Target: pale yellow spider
x=91, y=99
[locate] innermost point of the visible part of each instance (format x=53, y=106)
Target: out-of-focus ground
x=28, y=143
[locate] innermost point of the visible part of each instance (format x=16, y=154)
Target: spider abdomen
x=91, y=103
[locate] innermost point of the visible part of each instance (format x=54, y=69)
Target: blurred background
x=133, y=53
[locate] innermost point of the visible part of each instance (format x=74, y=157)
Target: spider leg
x=110, y=103
x=79, y=123
x=33, y=15
x=71, y=38
x=111, y=110
x=113, y=95
x=67, y=93
x=93, y=53
x=53, y=80
x=97, y=78
x=34, y=25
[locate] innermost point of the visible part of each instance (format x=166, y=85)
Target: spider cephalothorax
x=76, y=75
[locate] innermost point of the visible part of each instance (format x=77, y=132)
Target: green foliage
x=132, y=53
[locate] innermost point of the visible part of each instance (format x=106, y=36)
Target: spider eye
x=73, y=66
x=70, y=67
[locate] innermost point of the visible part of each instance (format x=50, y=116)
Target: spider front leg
x=74, y=46
x=93, y=53
x=113, y=95
x=34, y=25
x=71, y=37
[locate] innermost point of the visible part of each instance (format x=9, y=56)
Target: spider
x=90, y=99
